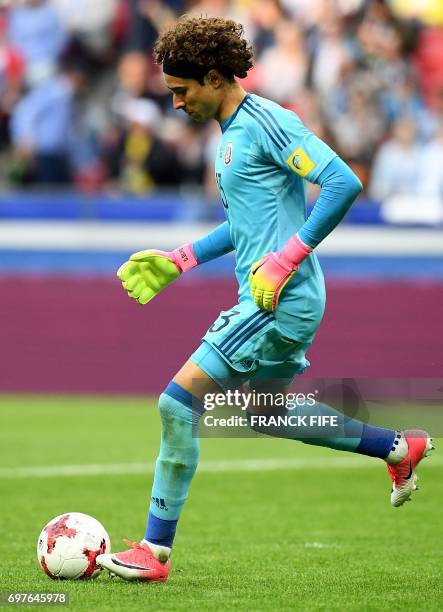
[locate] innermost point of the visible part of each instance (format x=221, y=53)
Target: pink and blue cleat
x=137, y=563
x=403, y=474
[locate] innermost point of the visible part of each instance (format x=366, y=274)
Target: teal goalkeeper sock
x=175, y=466
x=313, y=425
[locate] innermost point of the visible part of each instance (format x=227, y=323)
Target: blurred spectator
x=138, y=158
x=133, y=72
x=36, y=30
x=189, y=145
x=412, y=184
x=212, y=8
x=402, y=99
x=385, y=44
x=41, y=127
x=289, y=58
x=147, y=18
x=188, y=139
x=265, y=16
x=158, y=12
x=307, y=13
x=430, y=183
x=397, y=163
x=11, y=75
x=375, y=32
x=359, y=127
x=89, y=21
x=435, y=115
x=139, y=77
x=333, y=52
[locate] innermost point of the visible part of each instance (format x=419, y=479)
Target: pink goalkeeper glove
x=271, y=273
x=148, y=272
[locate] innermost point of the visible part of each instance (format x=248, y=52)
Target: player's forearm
x=339, y=188
x=213, y=245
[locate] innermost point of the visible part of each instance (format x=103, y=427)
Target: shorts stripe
x=243, y=339
x=247, y=333
x=239, y=328
x=245, y=329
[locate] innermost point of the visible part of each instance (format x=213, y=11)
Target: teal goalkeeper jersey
x=264, y=157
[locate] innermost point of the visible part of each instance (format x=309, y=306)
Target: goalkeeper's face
x=201, y=102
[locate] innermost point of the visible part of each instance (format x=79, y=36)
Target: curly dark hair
x=208, y=42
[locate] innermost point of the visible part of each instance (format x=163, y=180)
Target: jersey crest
x=228, y=153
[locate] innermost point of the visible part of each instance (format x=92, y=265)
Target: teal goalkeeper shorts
x=246, y=342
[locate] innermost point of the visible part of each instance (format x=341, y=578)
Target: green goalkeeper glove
x=148, y=272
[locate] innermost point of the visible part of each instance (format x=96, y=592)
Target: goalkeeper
x=264, y=158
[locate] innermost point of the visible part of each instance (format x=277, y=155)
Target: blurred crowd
x=83, y=105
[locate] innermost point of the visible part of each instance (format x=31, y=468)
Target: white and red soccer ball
x=69, y=545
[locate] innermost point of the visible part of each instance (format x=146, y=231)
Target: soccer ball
x=69, y=544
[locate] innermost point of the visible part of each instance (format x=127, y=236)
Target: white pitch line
x=236, y=465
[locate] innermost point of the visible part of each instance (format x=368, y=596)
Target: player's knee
x=178, y=445
x=173, y=410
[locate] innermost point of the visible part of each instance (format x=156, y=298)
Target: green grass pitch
x=319, y=534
